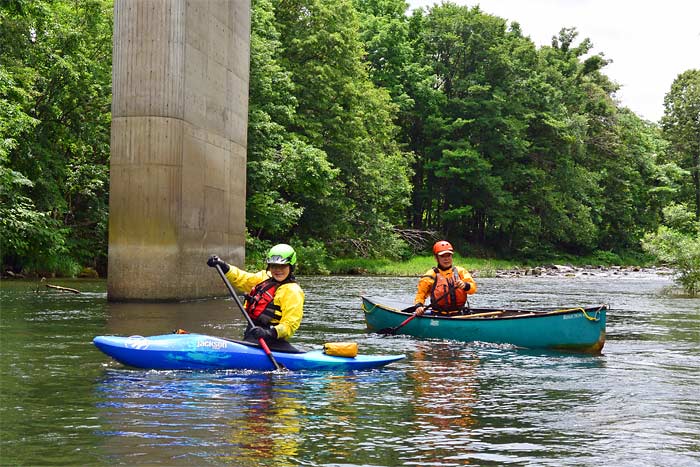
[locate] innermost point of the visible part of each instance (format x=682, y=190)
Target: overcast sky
x=650, y=42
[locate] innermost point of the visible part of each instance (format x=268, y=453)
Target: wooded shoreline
x=363, y=131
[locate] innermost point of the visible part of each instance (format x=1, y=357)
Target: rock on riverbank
x=573, y=271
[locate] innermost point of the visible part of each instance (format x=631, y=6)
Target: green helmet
x=281, y=254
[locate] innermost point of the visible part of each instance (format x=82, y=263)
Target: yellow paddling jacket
x=289, y=298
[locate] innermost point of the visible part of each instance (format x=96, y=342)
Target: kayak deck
x=202, y=352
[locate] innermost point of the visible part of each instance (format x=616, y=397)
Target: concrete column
x=178, y=148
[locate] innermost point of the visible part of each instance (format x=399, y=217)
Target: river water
x=447, y=404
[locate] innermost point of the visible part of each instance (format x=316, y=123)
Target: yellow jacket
x=425, y=284
x=289, y=297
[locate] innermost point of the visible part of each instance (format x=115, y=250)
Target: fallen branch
x=416, y=238
x=62, y=289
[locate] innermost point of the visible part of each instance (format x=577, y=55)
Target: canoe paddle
x=392, y=331
x=262, y=342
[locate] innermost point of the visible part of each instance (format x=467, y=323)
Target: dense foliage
x=371, y=131
x=55, y=95
x=677, y=243
x=324, y=162
x=681, y=125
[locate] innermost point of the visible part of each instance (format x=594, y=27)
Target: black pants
x=279, y=345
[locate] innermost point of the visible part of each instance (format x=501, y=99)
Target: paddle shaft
x=262, y=342
x=392, y=331
x=405, y=322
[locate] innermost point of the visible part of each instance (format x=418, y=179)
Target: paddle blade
x=392, y=331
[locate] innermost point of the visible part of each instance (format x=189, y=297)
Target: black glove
x=266, y=333
x=214, y=260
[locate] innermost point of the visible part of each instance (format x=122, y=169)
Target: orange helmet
x=442, y=247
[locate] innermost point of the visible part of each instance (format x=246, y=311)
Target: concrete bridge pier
x=178, y=146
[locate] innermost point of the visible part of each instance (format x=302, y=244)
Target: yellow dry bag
x=340, y=349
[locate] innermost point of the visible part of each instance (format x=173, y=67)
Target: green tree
x=56, y=62
x=341, y=112
x=681, y=125
x=21, y=225
x=638, y=184
x=497, y=146
x=677, y=243
x=462, y=127
x=285, y=175
x=384, y=32
x=572, y=136
x=520, y=149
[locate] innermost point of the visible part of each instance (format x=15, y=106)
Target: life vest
x=259, y=303
x=444, y=296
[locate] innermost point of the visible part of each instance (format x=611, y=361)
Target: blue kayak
x=202, y=352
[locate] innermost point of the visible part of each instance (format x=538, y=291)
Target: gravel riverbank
x=573, y=271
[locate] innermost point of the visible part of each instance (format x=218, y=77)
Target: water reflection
x=216, y=317
x=268, y=429
x=446, y=392
x=237, y=418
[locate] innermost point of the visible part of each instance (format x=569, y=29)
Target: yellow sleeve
x=245, y=281
x=466, y=277
x=290, y=298
x=425, y=284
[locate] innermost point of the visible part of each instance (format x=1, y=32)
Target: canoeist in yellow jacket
x=446, y=285
x=274, y=301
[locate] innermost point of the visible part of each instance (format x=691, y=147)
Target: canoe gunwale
x=499, y=313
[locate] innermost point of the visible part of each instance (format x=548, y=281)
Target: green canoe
x=577, y=328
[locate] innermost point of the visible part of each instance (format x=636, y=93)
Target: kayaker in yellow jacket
x=274, y=301
x=446, y=285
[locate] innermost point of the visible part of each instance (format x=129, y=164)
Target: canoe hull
x=577, y=329
x=202, y=352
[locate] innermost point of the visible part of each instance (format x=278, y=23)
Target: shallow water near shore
x=448, y=403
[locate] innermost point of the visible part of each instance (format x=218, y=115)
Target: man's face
x=445, y=260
